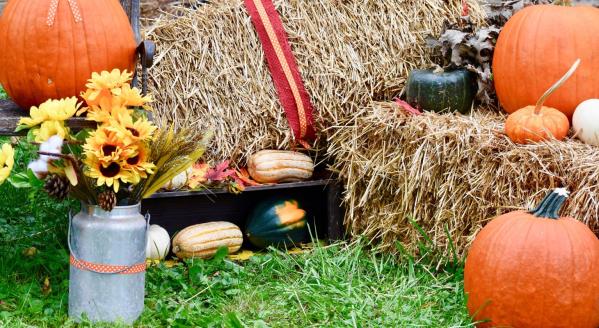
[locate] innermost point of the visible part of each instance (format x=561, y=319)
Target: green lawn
x=341, y=285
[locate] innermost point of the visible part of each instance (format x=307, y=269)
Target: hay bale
x=211, y=69
x=450, y=170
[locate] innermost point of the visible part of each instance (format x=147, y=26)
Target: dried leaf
x=46, y=288
x=29, y=252
x=241, y=256
x=71, y=173
x=244, y=176
x=407, y=107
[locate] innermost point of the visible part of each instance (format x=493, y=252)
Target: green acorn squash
x=277, y=222
x=441, y=91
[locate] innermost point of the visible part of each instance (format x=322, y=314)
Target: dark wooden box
x=179, y=209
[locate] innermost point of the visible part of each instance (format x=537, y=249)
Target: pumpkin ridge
x=198, y=248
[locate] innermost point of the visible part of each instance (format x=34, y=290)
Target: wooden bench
x=10, y=113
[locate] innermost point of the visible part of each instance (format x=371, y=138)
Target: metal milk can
x=108, y=264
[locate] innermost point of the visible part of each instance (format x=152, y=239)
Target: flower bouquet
x=121, y=159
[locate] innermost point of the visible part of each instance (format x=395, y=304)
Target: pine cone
x=57, y=186
x=107, y=200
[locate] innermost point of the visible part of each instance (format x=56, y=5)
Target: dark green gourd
x=443, y=91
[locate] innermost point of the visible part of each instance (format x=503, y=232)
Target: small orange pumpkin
x=534, y=269
x=538, y=123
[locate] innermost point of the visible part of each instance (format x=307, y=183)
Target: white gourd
x=585, y=122
x=159, y=243
x=179, y=181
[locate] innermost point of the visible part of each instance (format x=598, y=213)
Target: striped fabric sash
x=281, y=62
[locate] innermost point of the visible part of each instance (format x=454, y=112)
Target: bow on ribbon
x=53, y=10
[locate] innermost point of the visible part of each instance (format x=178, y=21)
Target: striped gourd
x=272, y=166
x=203, y=240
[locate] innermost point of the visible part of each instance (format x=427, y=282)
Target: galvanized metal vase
x=107, y=273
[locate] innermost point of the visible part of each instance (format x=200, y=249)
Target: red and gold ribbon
x=107, y=268
x=281, y=62
x=53, y=11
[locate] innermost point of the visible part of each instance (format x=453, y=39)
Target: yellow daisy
x=129, y=96
x=111, y=174
x=7, y=160
x=51, y=110
x=100, y=87
x=51, y=128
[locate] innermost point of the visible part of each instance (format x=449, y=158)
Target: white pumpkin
x=159, y=243
x=585, y=121
x=179, y=181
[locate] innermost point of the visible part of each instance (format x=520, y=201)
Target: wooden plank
x=335, y=212
x=292, y=185
x=10, y=114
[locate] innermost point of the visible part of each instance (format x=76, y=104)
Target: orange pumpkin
x=533, y=47
x=534, y=269
x=51, y=47
x=538, y=123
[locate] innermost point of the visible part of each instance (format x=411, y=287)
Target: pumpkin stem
x=552, y=203
x=556, y=86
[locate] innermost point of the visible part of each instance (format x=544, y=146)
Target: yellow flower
x=128, y=96
x=51, y=110
x=106, y=112
x=107, y=146
x=101, y=86
x=110, y=174
x=7, y=160
x=138, y=165
x=50, y=128
x=125, y=127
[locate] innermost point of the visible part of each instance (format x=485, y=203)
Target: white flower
x=39, y=168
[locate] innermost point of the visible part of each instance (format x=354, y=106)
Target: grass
x=341, y=285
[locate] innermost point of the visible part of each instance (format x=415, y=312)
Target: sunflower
x=126, y=127
x=109, y=173
x=50, y=128
x=101, y=86
x=51, y=110
x=138, y=165
x=107, y=146
x=7, y=160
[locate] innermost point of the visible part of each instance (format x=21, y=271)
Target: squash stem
x=556, y=86
x=551, y=205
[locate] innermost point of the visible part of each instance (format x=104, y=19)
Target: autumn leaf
x=241, y=256
x=198, y=175
x=220, y=172
x=407, y=107
x=243, y=175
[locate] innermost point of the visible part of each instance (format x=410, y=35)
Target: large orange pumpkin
x=534, y=269
x=49, y=48
x=534, y=47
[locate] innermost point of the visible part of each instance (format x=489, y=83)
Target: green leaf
x=232, y=321
x=221, y=254
x=31, y=136
x=82, y=135
x=20, y=180
x=21, y=127
x=33, y=180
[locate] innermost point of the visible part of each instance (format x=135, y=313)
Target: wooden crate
x=321, y=199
